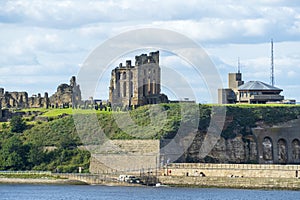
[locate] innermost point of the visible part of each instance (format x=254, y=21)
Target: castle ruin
x=137, y=85
x=21, y=100
x=65, y=96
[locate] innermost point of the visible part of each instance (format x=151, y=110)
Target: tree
x=35, y=155
x=13, y=154
x=17, y=124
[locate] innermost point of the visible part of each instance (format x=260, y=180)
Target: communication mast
x=239, y=65
x=272, y=65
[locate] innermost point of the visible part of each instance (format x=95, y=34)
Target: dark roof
x=257, y=85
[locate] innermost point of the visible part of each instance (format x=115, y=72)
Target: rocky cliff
x=234, y=150
x=244, y=133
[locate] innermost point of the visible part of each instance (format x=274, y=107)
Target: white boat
x=160, y=185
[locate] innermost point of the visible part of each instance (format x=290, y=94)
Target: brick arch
x=296, y=151
x=282, y=150
x=267, y=144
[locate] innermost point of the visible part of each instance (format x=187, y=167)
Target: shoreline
x=232, y=183
x=41, y=181
x=179, y=181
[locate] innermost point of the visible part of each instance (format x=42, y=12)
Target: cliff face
x=236, y=150
x=244, y=135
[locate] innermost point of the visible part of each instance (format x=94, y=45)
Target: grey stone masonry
x=137, y=85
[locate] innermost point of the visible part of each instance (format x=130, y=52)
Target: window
x=124, y=89
x=130, y=75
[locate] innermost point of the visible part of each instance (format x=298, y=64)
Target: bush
x=17, y=124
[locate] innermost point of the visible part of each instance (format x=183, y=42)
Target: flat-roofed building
x=252, y=92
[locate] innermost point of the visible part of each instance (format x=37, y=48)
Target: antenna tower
x=272, y=64
x=239, y=65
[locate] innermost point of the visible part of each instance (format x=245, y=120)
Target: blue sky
x=44, y=43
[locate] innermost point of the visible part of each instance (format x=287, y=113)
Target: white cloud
x=50, y=38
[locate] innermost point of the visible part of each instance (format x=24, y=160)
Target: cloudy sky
x=44, y=43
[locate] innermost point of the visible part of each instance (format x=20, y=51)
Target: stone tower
x=0, y=112
x=137, y=85
x=46, y=100
x=229, y=95
x=235, y=80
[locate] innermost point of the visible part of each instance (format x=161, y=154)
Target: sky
x=44, y=43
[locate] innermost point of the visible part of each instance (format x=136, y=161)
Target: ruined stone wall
x=37, y=101
x=66, y=95
x=21, y=100
x=1, y=115
x=13, y=99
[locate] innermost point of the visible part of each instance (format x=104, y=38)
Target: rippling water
x=71, y=192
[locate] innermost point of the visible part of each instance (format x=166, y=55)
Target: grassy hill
x=51, y=141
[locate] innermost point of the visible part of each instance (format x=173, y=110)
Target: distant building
x=137, y=85
x=21, y=100
x=259, y=93
x=66, y=95
x=253, y=92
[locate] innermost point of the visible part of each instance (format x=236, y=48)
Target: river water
x=78, y=192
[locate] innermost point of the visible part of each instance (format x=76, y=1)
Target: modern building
x=253, y=92
x=258, y=92
x=139, y=84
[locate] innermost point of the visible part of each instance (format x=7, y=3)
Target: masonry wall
x=228, y=182
x=137, y=84
x=233, y=170
x=125, y=155
x=279, y=144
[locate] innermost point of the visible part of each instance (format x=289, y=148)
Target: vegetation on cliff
x=48, y=146
x=51, y=142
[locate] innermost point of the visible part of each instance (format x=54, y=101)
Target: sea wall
x=124, y=155
x=227, y=182
x=232, y=170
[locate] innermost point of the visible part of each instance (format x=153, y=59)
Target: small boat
x=160, y=185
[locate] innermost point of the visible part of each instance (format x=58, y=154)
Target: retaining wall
x=233, y=170
x=226, y=182
x=125, y=155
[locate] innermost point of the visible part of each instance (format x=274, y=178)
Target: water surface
x=74, y=192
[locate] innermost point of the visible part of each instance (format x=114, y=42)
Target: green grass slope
x=53, y=145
